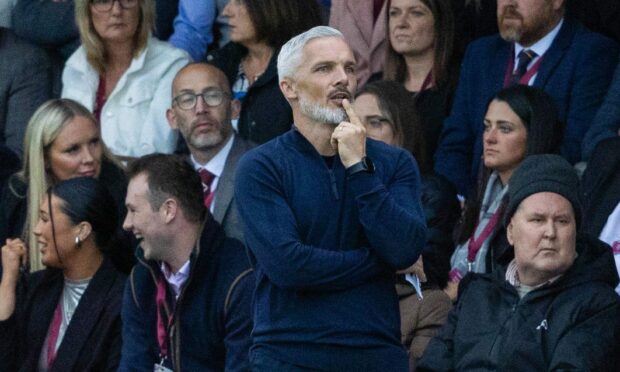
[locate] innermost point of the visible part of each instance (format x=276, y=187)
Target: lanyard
x=53, y=336
x=527, y=76
x=162, y=329
x=476, y=243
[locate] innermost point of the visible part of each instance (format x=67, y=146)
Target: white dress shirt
x=540, y=48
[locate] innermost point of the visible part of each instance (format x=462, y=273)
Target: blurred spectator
x=62, y=142
x=187, y=302
x=193, y=27
x=123, y=75
x=202, y=109
x=66, y=317
x=536, y=46
x=258, y=29
x=363, y=24
x=25, y=83
x=601, y=190
x=384, y=108
x=421, y=56
x=5, y=12
x=554, y=307
x=606, y=123
x=520, y=121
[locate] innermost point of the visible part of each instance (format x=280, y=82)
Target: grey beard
x=322, y=114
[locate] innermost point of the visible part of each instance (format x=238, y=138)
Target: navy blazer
x=575, y=71
x=92, y=341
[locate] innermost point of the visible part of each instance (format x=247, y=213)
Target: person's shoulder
x=485, y=44
x=583, y=38
x=162, y=52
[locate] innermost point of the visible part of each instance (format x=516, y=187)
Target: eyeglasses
x=211, y=97
x=106, y=5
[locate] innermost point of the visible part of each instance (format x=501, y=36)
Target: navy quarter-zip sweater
x=325, y=249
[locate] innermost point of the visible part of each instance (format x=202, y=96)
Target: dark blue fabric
x=325, y=250
x=575, y=71
x=210, y=335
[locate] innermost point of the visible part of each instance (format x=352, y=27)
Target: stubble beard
x=320, y=113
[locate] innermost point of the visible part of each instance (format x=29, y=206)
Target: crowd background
x=426, y=72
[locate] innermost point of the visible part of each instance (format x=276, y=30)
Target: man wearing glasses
x=202, y=110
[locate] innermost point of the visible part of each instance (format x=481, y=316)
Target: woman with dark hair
x=520, y=121
x=386, y=111
x=420, y=55
x=62, y=141
x=66, y=317
x=258, y=29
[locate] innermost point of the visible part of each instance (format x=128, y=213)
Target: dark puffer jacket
x=571, y=324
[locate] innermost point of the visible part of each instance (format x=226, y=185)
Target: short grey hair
x=290, y=56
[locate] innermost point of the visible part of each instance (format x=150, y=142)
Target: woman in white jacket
x=124, y=75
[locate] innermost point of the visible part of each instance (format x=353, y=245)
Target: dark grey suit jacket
x=225, y=208
x=25, y=83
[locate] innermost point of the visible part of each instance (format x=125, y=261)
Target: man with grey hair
x=329, y=217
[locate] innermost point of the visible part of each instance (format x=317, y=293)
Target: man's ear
x=509, y=234
x=235, y=109
x=172, y=118
x=169, y=209
x=287, y=86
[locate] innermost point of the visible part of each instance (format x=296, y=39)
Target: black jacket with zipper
x=570, y=324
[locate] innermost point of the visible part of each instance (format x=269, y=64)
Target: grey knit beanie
x=543, y=173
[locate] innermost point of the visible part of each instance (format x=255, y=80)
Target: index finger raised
x=348, y=108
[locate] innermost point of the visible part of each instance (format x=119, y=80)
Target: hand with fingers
x=349, y=137
x=13, y=255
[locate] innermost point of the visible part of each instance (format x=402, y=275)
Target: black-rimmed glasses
x=211, y=98
x=106, y=5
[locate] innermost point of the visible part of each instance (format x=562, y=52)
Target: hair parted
x=171, y=176
x=290, y=57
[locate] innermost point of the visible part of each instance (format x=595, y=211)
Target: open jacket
x=212, y=321
x=92, y=341
x=571, y=324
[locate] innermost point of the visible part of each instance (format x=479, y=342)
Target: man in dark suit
x=537, y=45
x=25, y=83
x=202, y=109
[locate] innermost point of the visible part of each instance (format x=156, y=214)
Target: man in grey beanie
x=554, y=307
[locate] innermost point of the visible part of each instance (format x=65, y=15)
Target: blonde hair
x=96, y=54
x=43, y=128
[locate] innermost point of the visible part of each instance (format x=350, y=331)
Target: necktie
x=207, y=179
x=525, y=57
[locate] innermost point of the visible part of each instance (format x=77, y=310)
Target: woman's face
x=77, y=151
x=241, y=28
x=378, y=126
x=411, y=26
x=119, y=24
x=64, y=230
x=504, y=138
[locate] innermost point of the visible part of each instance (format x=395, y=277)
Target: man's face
x=527, y=21
x=145, y=223
x=543, y=232
x=323, y=80
x=203, y=126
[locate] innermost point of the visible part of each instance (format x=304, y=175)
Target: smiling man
x=554, y=307
x=187, y=302
x=202, y=109
x=330, y=216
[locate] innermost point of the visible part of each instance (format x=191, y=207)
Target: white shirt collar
x=217, y=163
x=176, y=280
x=542, y=45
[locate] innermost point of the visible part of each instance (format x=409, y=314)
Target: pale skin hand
x=13, y=254
x=349, y=137
x=452, y=290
